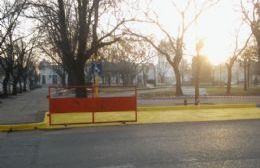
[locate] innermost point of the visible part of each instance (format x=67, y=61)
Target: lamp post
x=199, y=47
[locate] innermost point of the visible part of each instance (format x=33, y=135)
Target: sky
x=217, y=27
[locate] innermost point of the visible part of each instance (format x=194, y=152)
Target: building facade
x=47, y=74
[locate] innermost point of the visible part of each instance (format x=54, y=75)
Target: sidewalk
x=27, y=107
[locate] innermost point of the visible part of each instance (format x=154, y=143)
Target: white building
x=47, y=75
x=146, y=75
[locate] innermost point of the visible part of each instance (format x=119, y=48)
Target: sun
x=215, y=27
x=216, y=53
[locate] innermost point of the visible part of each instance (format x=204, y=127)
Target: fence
x=91, y=100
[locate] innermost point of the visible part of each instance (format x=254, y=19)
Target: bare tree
x=7, y=62
x=251, y=12
x=248, y=57
x=175, y=44
x=15, y=60
x=24, y=59
x=10, y=11
x=73, y=28
x=125, y=59
x=231, y=60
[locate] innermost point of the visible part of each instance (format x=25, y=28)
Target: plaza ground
x=28, y=111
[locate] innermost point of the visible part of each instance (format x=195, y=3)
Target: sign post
x=96, y=70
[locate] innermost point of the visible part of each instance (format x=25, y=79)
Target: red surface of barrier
x=99, y=104
x=91, y=104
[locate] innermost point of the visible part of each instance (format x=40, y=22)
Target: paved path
x=187, y=90
x=203, y=100
x=24, y=108
x=229, y=144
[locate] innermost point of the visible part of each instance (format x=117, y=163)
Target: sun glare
x=215, y=27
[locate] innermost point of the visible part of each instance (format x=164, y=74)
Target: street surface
x=228, y=144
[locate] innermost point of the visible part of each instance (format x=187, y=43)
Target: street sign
x=96, y=67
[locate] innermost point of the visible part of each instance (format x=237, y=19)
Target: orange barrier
x=66, y=103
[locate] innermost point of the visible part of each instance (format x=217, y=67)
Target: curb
x=44, y=125
x=22, y=127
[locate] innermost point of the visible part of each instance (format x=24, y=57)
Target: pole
x=96, y=86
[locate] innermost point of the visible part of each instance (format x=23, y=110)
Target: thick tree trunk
x=256, y=32
x=229, y=71
x=71, y=78
x=178, y=88
x=257, y=37
x=76, y=77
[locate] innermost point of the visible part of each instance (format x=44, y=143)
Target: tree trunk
x=248, y=74
x=24, y=84
x=14, y=92
x=63, y=79
x=229, y=71
x=5, y=84
x=245, y=75
x=124, y=79
x=76, y=77
x=117, y=79
x=197, y=91
x=257, y=37
x=31, y=84
x=20, y=86
x=145, y=80
x=109, y=80
x=178, y=88
x=71, y=78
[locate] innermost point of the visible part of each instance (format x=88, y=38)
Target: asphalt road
x=228, y=144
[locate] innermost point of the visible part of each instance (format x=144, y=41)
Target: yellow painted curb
x=24, y=127
x=164, y=114
x=21, y=127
